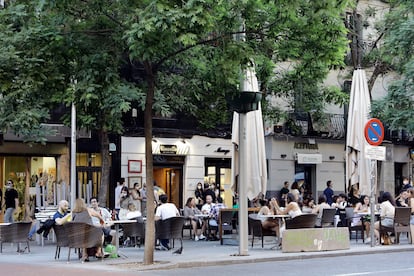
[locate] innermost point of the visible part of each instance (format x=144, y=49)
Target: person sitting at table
x=363, y=207
x=81, y=213
x=292, y=208
x=322, y=204
x=133, y=213
x=402, y=199
x=214, y=218
x=268, y=222
x=165, y=211
x=387, y=212
x=206, y=210
x=108, y=233
x=60, y=217
x=190, y=212
x=308, y=205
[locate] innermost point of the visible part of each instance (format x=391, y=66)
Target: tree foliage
x=185, y=57
x=396, y=109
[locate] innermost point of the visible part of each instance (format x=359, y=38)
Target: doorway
x=305, y=176
x=170, y=179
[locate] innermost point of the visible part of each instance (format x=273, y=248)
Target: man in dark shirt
x=328, y=192
x=11, y=198
x=283, y=193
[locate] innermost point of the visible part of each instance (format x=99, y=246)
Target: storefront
x=179, y=164
x=44, y=167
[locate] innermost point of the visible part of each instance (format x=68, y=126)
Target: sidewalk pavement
x=194, y=254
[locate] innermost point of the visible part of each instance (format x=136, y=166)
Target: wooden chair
x=15, y=233
x=328, y=217
x=301, y=221
x=256, y=229
x=401, y=224
x=61, y=238
x=135, y=230
x=83, y=235
x=359, y=228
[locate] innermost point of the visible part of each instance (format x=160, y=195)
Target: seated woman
x=387, y=212
x=81, y=213
x=292, y=208
x=270, y=209
x=363, y=207
x=190, y=212
x=308, y=205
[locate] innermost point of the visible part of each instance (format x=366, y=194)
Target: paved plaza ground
x=194, y=254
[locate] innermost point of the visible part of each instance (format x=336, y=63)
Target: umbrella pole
x=243, y=208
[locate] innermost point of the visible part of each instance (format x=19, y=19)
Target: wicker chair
x=401, y=224
x=359, y=228
x=328, y=217
x=135, y=231
x=61, y=238
x=15, y=233
x=256, y=229
x=226, y=220
x=83, y=235
x=170, y=229
x=301, y=221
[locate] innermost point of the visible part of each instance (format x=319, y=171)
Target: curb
x=166, y=265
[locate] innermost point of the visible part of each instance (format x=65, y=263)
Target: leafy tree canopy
x=396, y=109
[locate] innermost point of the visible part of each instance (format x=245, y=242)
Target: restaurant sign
x=168, y=149
x=303, y=158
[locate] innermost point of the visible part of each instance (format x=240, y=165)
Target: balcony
x=331, y=126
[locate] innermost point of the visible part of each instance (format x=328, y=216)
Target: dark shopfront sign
x=168, y=159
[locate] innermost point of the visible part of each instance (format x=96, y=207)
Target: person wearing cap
x=11, y=199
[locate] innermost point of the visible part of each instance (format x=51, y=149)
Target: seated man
x=214, y=218
x=60, y=217
x=108, y=233
x=163, y=212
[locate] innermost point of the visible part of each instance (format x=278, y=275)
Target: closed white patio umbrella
x=358, y=168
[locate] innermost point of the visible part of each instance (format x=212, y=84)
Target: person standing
x=283, y=193
x=11, y=198
x=143, y=192
x=118, y=189
x=328, y=192
x=165, y=211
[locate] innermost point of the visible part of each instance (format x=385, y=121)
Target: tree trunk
x=27, y=211
x=150, y=224
x=105, y=169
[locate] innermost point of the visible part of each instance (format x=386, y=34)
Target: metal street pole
x=73, y=155
x=372, y=199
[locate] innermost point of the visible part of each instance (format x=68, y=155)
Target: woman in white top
x=387, y=211
x=363, y=207
x=292, y=208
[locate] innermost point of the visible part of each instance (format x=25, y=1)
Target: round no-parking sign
x=374, y=132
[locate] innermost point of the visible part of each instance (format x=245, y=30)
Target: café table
x=280, y=219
